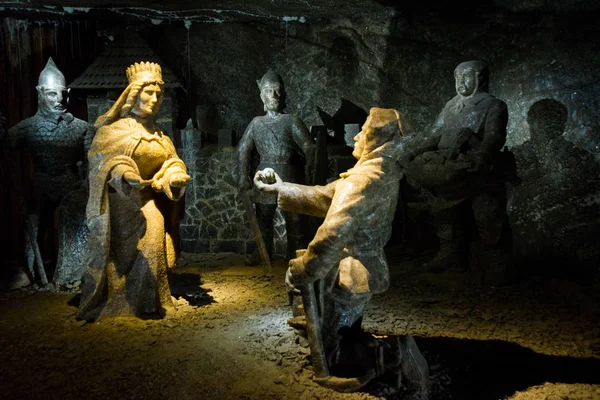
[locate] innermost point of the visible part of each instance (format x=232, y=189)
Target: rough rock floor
x=538, y=339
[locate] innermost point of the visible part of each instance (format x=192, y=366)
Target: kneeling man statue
x=331, y=282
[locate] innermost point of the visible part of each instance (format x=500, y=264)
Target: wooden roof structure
x=108, y=70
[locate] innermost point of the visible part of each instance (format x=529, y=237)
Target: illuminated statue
x=284, y=144
x=57, y=143
x=135, y=177
x=344, y=264
x=459, y=162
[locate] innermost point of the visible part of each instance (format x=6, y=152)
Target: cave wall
x=396, y=58
x=342, y=67
x=336, y=68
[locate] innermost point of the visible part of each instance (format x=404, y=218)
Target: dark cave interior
x=536, y=337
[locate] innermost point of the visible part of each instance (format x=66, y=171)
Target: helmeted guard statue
x=58, y=144
x=284, y=144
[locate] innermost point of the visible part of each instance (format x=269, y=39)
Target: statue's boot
x=346, y=385
x=398, y=354
x=353, y=360
x=448, y=257
x=401, y=355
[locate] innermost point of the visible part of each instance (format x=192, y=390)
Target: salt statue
x=58, y=144
x=459, y=163
x=284, y=144
x=344, y=265
x=135, y=180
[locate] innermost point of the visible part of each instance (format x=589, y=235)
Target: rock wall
x=336, y=69
x=215, y=220
x=397, y=58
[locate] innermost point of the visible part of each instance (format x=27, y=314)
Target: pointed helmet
x=51, y=77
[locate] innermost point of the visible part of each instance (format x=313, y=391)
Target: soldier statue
x=284, y=144
x=460, y=163
x=58, y=144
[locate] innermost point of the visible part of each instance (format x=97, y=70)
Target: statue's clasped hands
x=267, y=181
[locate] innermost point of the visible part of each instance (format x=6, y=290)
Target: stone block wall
x=215, y=221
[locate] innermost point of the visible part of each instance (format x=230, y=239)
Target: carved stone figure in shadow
x=548, y=152
x=559, y=179
x=459, y=164
x=57, y=143
x=284, y=144
x=135, y=178
x=344, y=264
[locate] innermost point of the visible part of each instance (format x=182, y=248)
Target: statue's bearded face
x=271, y=95
x=465, y=81
x=148, y=101
x=51, y=100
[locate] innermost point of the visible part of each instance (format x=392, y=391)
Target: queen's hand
x=179, y=179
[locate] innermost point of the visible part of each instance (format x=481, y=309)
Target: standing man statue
x=459, y=162
x=346, y=261
x=58, y=144
x=284, y=144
